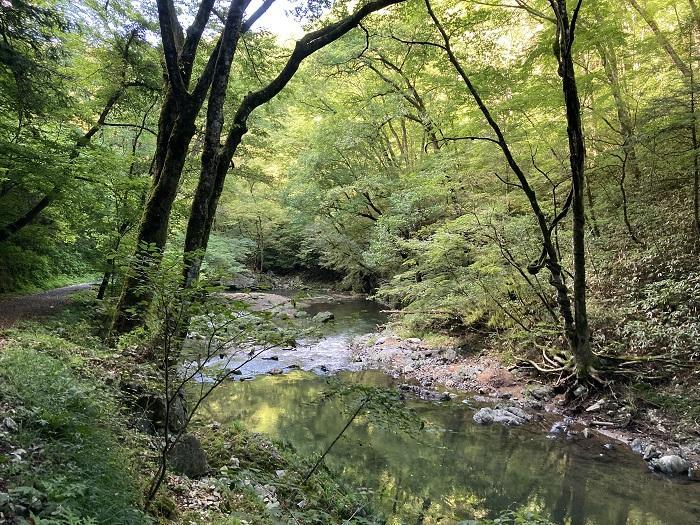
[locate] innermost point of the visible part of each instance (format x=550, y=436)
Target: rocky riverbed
x=500, y=394
x=517, y=398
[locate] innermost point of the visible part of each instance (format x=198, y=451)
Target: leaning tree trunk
x=176, y=128
x=214, y=170
x=153, y=229
x=574, y=316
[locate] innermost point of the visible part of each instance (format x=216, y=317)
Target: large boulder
x=154, y=409
x=242, y=281
x=275, y=304
x=425, y=393
x=672, y=465
x=150, y=408
x=510, y=416
x=187, y=457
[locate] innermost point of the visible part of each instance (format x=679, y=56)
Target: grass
x=77, y=464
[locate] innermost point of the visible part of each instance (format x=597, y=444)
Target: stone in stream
x=637, y=446
x=561, y=427
x=187, y=457
x=539, y=392
x=425, y=393
x=651, y=452
x=324, y=317
x=694, y=472
x=672, y=465
x=510, y=416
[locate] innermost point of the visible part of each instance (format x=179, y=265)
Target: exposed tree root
x=607, y=369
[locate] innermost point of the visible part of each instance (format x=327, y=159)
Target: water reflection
x=455, y=469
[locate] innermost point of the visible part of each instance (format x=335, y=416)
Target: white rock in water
x=324, y=317
x=671, y=464
x=505, y=416
x=637, y=446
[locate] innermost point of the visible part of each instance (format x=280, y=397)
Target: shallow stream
x=452, y=469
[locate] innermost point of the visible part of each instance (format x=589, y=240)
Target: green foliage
x=514, y=517
x=326, y=499
x=75, y=467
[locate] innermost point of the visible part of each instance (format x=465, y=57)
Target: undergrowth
x=71, y=461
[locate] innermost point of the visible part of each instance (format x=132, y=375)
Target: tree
x=574, y=316
x=216, y=158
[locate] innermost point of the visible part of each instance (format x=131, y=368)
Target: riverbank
x=476, y=367
x=75, y=447
x=246, y=477
x=440, y=365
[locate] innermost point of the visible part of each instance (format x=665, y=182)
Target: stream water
x=453, y=469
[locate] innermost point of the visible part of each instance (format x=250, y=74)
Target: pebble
x=637, y=446
x=651, y=452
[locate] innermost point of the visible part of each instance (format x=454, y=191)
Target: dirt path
x=36, y=305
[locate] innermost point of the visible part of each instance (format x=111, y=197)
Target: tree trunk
x=214, y=170
x=575, y=319
x=627, y=130
x=153, y=228
x=661, y=38
x=176, y=128
x=579, y=335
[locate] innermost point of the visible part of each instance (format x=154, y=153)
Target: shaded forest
x=517, y=177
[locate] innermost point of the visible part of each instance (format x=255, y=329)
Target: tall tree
x=175, y=131
x=574, y=315
x=216, y=157
x=216, y=166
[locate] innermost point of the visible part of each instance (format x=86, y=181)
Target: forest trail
x=41, y=304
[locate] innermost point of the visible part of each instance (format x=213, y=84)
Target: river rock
x=694, y=472
x=596, y=406
x=10, y=424
x=275, y=304
x=449, y=355
x=324, y=317
x=651, y=452
x=242, y=281
x=580, y=391
x=152, y=406
x=425, y=393
x=539, y=392
x=561, y=427
x=187, y=457
x=672, y=465
x=637, y=446
x=510, y=416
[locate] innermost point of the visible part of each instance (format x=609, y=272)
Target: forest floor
x=38, y=305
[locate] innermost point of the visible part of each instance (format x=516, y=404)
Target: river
x=452, y=469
